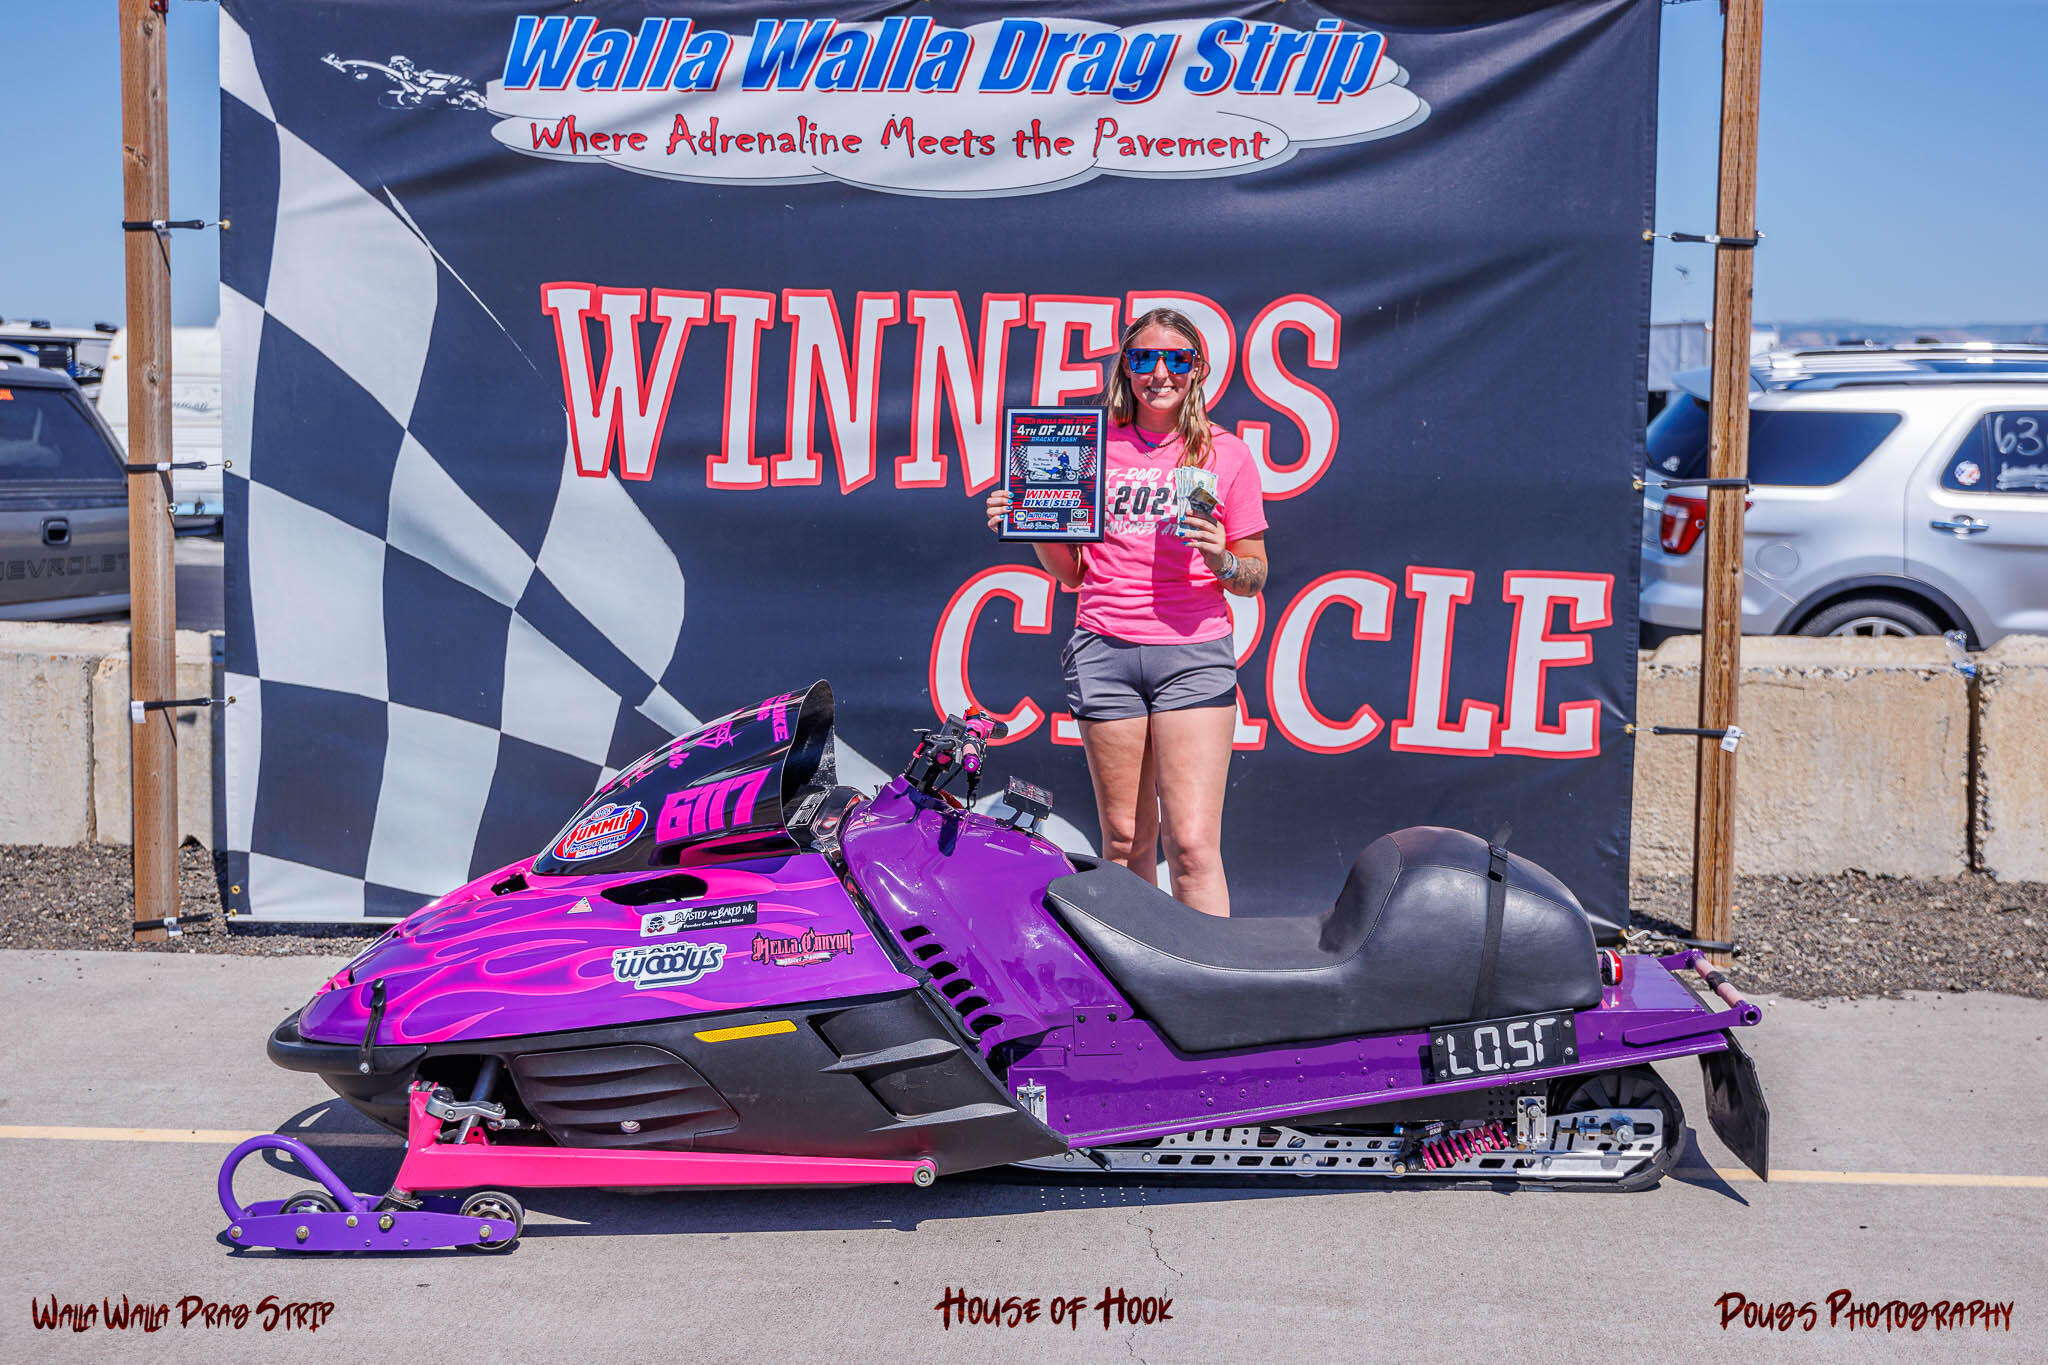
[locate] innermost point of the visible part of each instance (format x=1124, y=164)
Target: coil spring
x=1452, y=1148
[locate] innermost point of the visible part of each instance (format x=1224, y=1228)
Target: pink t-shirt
x=1143, y=583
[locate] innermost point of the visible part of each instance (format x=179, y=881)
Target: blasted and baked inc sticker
x=801, y=950
x=907, y=105
x=730, y=915
x=655, y=965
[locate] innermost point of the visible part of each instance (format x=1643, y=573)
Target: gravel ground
x=1854, y=935
x=84, y=897
x=1821, y=937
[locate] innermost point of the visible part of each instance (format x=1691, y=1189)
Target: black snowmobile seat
x=1401, y=949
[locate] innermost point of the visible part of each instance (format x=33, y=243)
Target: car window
x=1787, y=448
x=44, y=436
x=1677, y=441
x=2005, y=452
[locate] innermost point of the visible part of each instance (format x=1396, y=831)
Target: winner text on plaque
x=1052, y=465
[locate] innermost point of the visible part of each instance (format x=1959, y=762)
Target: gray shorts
x=1111, y=679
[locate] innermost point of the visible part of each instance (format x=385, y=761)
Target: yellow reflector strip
x=726, y=1035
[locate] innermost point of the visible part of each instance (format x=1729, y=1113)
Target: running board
x=1590, y=1145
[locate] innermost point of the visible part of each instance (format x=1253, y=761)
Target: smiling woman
x=1151, y=675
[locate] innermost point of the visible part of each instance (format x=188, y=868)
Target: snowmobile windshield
x=726, y=788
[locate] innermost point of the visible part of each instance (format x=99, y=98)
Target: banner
x=593, y=369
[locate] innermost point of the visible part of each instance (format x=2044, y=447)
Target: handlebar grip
x=978, y=720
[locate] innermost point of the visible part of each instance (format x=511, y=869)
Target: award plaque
x=1052, y=465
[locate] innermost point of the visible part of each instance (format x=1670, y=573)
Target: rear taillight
x=1684, y=519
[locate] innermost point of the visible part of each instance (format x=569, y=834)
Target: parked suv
x=63, y=502
x=1894, y=491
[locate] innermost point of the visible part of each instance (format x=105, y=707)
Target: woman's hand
x=998, y=508
x=1207, y=538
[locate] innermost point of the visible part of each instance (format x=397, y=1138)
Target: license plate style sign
x=1500, y=1047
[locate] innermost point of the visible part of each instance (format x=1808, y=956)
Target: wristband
x=1229, y=569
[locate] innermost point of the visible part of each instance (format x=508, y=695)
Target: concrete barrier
x=2011, y=809
x=113, y=807
x=1857, y=753
x=1855, y=756
x=46, y=673
x=64, y=757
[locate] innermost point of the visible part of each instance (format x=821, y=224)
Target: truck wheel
x=1874, y=616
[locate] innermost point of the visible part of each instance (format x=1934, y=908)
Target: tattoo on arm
x=1250, y=578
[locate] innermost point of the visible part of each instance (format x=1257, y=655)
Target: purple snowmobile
x=730, y=970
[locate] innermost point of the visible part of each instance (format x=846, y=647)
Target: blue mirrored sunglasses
x=1142, y=359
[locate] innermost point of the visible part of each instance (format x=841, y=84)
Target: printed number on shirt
x=1139, y=499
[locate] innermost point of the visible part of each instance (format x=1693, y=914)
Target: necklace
x=1148, y=443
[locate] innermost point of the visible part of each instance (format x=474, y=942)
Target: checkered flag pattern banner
x=429, y=671
x=419, y=674
x=456, y=603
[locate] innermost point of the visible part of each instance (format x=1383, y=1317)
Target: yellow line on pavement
x=1733, y=1175
x=1740, y=1174
x=221, y=1136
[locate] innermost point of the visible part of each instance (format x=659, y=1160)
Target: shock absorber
x=1464, y=1144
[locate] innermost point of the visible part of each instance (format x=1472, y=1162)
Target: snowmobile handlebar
x=959, y=745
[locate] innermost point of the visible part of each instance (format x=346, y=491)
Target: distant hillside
x=1834, y=332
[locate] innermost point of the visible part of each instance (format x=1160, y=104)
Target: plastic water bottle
x=1959, y=653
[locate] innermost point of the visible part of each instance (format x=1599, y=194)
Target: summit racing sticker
x=655, y=965
x=801, y=950
x=908, y=105
x=683, y=919
x=605, y=830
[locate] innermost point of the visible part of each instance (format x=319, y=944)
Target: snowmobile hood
x=557, y=953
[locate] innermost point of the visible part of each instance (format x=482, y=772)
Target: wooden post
x=152, y=610
x=1713, y=855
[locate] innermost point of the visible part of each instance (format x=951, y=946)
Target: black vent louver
x=586, y=1097
x=968, y=1003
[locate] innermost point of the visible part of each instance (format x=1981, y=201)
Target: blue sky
x=1903, y=172
x=1902, y=167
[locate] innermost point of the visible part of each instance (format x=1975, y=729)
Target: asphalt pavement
x=1905, y=1139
